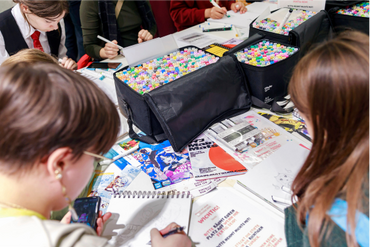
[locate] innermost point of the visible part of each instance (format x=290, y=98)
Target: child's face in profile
x=41, y=23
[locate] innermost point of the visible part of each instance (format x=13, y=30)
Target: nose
x=54, y=25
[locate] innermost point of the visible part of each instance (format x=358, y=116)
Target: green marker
x=218, y=6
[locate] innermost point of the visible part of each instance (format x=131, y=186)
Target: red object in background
x=161, y=12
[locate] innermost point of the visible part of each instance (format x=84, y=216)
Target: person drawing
x=187, y=13
x=43, y=160
x=135, y=24
x=330, y=88
x=35, y=24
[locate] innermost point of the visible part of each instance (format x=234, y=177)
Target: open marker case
x=312, y=31
x=184, y=108
x=343, y=22
x=268, y=84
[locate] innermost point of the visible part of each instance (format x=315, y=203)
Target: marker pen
x=217, y=6
x=285, y=19
x=173, y=231
x=217, y=29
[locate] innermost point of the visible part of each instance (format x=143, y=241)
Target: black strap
x=274, y=107
x=133, y=134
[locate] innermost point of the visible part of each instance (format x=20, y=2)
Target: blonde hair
x=29, y=56
x=330, y=86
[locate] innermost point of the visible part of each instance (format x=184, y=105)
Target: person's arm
x=227, y=4
x=3, y=53
x=186, y=13
x=90, y=25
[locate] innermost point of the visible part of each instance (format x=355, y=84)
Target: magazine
x=258, y=140
x=163, y=164
x=290, y=125
x=208, y=160
x=122, y=148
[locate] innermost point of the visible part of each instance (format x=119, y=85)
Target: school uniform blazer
x=187, y=13
x=26, y=31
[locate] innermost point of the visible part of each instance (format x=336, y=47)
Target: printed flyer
x=227, y=218
x=163, y=164
x=208, y=160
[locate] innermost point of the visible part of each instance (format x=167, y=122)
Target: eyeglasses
x=101, y=157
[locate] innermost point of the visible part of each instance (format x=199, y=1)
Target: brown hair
x=330, y=86
x=44, y=107
x=29, y=56
x=44, y=8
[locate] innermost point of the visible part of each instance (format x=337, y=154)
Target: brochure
x=208, y=160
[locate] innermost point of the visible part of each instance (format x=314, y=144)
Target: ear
x=58, y=160
x=25, y=9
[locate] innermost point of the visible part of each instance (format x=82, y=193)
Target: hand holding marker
x=173, y=231
x=108, y=41
x=217, y=6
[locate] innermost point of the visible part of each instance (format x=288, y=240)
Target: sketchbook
x=225, y=217
x=135, y=213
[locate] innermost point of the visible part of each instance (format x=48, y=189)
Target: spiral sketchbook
x=135, y=213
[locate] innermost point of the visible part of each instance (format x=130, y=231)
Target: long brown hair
x=44, y=107
x=330, y=86
x=44, y=8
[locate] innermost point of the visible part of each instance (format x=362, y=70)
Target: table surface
x=142, y=181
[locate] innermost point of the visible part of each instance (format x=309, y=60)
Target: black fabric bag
x=312, y=31
x=182, y=109
x=268, y=84
x=344, y=22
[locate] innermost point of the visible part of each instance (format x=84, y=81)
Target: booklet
x=249, y=138
x=225, y=217
x=208, y=160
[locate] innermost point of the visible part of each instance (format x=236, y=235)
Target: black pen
x=173, y=231
x=217, y=29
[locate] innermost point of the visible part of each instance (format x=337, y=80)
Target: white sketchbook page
x=277, y=170
x=243, y=20
x=133, y=218
x=225, y=217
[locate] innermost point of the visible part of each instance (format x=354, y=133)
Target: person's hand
x=109, y=50
x=178, y=239
x=99, y=222
x=67, y=218
x=144, y=35
x=215, y=13
x=238, y=7
x=68, y=63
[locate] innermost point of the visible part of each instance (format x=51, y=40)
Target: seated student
x=43, y=159
x=330, y=88
x=187, y=13
x=35, y=24
x=135, y=24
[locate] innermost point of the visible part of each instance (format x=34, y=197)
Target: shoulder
x=26, y=231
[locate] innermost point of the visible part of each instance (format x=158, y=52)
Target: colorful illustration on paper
x=162, y=164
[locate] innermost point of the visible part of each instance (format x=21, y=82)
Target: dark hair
x=44, y=107
x=45, y=8
x=330, y=86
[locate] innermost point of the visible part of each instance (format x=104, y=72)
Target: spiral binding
x=152, y=194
